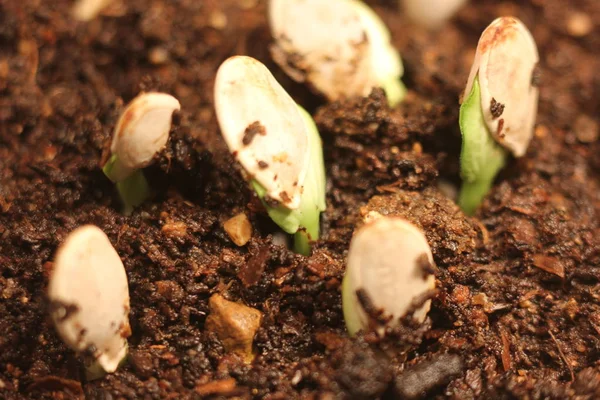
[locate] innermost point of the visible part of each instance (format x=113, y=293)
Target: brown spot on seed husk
x=271, y=202
x=285, y=197
x=376, y=315
x=251, y=131
x=503, y=32
x=499, y=132
x=263, y=164
x=496, y=108
x=425, y=266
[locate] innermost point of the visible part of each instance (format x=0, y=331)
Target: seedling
x=431, y=13
x=141, y=132
x=277, y=144
x=497, y=115
x=89, y=298
x=388, y=267
x=340, y=48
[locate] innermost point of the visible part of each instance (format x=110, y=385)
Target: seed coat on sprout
x=385, y=268
x=141, y=132
x=351, y=62
x=277, y=144
x=499, y=107
x=89, y=297
x=263, y=128
x=505, y=63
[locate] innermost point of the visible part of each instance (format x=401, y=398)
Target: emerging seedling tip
x=499, y=106
x=344, y=51
x=89, y=297
x=141, y=132
x=388, y=267
x=277, y=144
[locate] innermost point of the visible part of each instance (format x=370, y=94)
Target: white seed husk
x=384, y=262
x=263, y=128
x=431, y=13
x=89, y=297
x=351, y=62
x=142, y=131
x=505, y=63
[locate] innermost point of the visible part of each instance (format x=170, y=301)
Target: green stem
x=134, y=190
x=472, y=194
x=302, y=243
x=308, y=232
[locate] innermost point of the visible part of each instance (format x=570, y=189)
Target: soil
x=516, y=313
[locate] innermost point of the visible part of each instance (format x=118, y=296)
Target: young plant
x=141, y=132
x=498, y=112
x=431, y=13
x=344, y=50
x=388, y=268
x=89, y=299
x=277, y=144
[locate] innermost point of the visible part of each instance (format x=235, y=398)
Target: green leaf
x=481, y=157
x=304, y=221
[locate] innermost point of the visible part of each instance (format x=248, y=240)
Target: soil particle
x=142, y=362
x=221, y=387
x=239, y=229
x=586, y=129
x=250, y=273
x=50, y=384
x=418, y=380
x=363, y=372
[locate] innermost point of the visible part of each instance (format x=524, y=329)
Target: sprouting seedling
x=141, y=132
x=344, y=50
x=431, y=13
x=388, y=267
x=498, y=113
x=277, y=144
x=89, y=298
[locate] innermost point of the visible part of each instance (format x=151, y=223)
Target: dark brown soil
x=517, y=311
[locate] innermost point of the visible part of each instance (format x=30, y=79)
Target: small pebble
x=158, y=55
x=218, y=20
x=234, y=324
x=586, y=129
x=579, y=24
x=416, y=381
x=239, y=229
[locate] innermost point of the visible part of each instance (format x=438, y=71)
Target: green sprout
x=497, y=115
x=89, y=300
x=141, y=132
x=389, y=267
x=336, y=65
x=277, y=143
